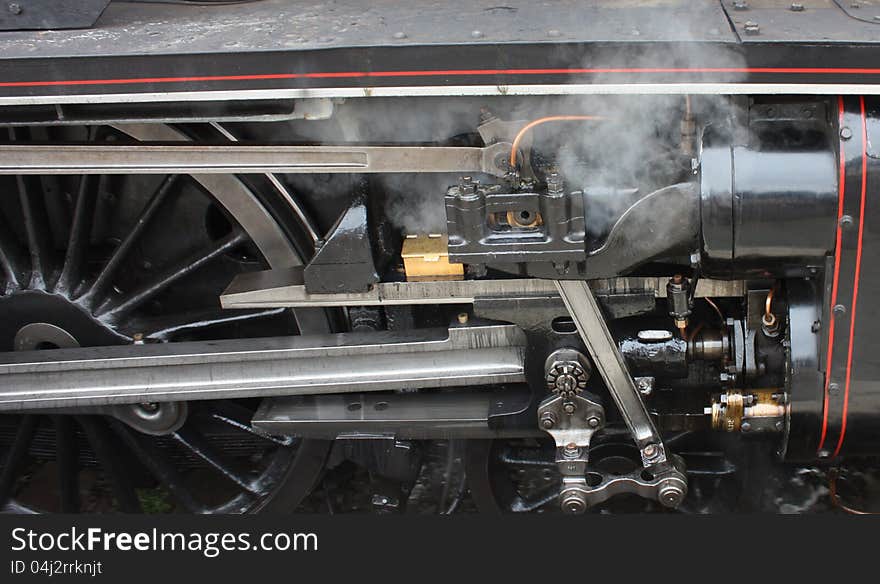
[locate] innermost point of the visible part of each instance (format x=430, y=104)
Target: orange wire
x=539, y=121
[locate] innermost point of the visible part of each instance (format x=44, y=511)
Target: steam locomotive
x=580, y=257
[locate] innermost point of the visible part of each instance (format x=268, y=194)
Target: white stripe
x=457, y=90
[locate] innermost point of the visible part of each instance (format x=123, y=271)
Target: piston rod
x=461, y=356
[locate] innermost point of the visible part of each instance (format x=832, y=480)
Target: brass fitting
x=426, y=257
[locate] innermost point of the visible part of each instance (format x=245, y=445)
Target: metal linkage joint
x=671, y=486
x=571, y=419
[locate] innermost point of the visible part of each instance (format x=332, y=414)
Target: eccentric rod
x=187, y=158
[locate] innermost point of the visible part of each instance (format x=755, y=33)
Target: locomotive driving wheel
x=91, y=261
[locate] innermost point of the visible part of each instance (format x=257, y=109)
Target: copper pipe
x=768, y=303
x=717, y=310
x=835, y=497
x=519, y=136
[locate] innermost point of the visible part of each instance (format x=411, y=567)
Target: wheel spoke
x=10, y=258
x=196, y=443
x=102, y=282
x=240, y=418
x=36, y=226
x=523, y=505
x=16, y=455
x=102, y=443
x=58, y=205
x=159, y=465
x=518, y=460
x=132, y=300
x=164, y=327
x=67, y=459
x=80, y=234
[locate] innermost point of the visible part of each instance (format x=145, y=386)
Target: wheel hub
x=34, y=320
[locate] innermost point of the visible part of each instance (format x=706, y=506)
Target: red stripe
x=448, y=73
x=841, y=188
x=855, y=295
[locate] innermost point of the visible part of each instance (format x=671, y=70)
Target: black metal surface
x=665, y=358
x=601, y=63
x=281, y=45
x=285, y=25
x=769, y=192
x=543, y=234
x=852, y=412
x=805, y=377
x=781, y=21
x=487, y=224
x=343, y=262
x=50, y=14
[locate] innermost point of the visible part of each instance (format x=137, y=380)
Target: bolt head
x=845, y=221
x=569, y=407
x=593, y=422
x=14, y=8
x=671, y=494
x=845, y=133
x=650, y=451
x=839, y=310
x=548, y=421
x=745, y=427
x=796, y=7
x=571, y=450
x=573, y=503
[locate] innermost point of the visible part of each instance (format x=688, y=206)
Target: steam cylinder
x=769, y=203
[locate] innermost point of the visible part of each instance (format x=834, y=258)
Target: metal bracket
x=572, y=420
x=344, y=261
